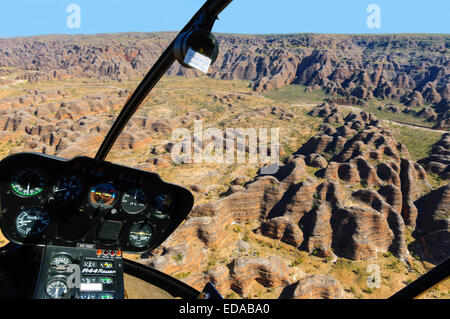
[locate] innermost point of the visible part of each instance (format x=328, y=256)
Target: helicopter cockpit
x=70, y=223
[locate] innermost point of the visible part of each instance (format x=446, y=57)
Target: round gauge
x=28, y=182
x=134, y=201
x=57, y=288
x=140, y=234
x=68, y=188
x=103, y=195
x=60, y=263
x=162, y=204
x=32, y=221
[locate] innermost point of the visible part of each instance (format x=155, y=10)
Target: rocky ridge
x=356, y=69
x=349, y=192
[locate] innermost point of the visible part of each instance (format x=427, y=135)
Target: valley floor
x=60, y=118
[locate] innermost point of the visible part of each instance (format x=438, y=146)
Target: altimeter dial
x=32, y=221
x=68, y=188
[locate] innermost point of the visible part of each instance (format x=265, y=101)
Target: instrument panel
x=46, y=200
x=80, y=273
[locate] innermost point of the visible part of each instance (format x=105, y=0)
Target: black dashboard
x=87, y=203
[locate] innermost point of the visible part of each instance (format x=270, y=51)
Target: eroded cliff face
x=413, y=69
x=363, y=192
x=433, y=224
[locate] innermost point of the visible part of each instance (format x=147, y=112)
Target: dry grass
x=175, y=96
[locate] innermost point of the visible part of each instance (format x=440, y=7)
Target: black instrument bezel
x=91, y=172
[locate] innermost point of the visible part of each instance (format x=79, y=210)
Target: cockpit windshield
x=318, y=162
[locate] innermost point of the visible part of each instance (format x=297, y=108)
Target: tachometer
x=134, y=201
x=57, y=288
x=60, y=263
x=32, y=221
x=103, y=195
x=28, y=182
x=140, y=234
x=68, y=188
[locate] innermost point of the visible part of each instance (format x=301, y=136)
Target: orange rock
x=269, y=272
x=282, y=228
x=314, y=287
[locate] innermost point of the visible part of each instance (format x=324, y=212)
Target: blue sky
x=32, y=17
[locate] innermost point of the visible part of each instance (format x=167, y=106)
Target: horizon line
x=227, y=33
